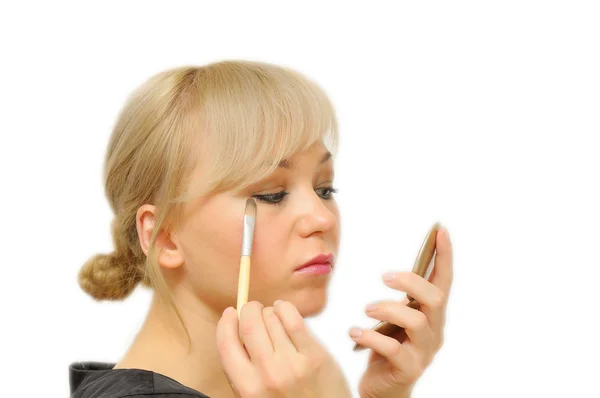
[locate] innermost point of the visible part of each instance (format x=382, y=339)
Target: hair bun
x=107, y=277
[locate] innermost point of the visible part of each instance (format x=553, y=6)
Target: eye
x=272, y=198
x=326, y=193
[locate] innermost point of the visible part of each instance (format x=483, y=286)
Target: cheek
x=212, y=246
x=268, y=249
x=335, y=233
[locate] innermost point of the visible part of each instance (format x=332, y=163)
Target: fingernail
x=276, y=302
x=355, y=332
x=371, y=307
x=227, y=311
x=389, y=276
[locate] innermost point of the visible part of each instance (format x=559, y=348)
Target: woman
x=189, y=147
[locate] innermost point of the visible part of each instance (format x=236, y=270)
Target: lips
x=321, y=259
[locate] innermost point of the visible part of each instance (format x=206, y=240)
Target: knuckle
x=289, y=313
x=275, y=381
x=295, y=325
x=394, y=348
x=439, y=300
x=291, y=318
x=305, y=367
x=419, y=321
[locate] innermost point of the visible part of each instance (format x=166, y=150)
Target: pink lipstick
x=319, y=265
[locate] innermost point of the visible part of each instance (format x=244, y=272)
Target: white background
x=482, y=115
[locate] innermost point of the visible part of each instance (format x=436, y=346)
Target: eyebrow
x=287, y=165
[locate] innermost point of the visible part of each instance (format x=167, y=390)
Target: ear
x=169, y=254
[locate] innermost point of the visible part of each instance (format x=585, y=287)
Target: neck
x=162, y=346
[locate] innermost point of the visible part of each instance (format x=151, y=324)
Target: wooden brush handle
x=243, y=283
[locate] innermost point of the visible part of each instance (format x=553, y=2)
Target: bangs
x=254, y=116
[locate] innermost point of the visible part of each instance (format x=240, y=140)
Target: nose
x=315, y=216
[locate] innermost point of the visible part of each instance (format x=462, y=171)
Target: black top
x=100, y=380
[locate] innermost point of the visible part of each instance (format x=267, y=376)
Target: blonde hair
x=237, y=119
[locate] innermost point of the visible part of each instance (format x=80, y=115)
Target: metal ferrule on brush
x=248, y=235
x=247, y=238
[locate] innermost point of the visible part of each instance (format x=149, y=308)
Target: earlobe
x=168, y=254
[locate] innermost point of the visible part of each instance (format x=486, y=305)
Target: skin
x=200, y=262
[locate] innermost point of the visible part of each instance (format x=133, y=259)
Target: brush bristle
x=251, y=208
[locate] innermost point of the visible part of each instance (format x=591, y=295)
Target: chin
x=311, y=303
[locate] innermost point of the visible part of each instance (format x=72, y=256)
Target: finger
x=277, y=333
x=443, y=266
x=417, y=287
x=442, y=277
x=415, y=323
x=234, y=359
x=295, y=327
x=431, y=298
x=254, y=333
x=387, y=347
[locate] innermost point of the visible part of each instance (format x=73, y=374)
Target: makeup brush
x=248, y=237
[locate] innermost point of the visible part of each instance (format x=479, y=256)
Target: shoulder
x=100, y=380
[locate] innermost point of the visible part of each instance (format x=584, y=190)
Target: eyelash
x=277, y=198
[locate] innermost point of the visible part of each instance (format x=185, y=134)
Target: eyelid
x=273, y=198
x=268, y=191
x=327, y=182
